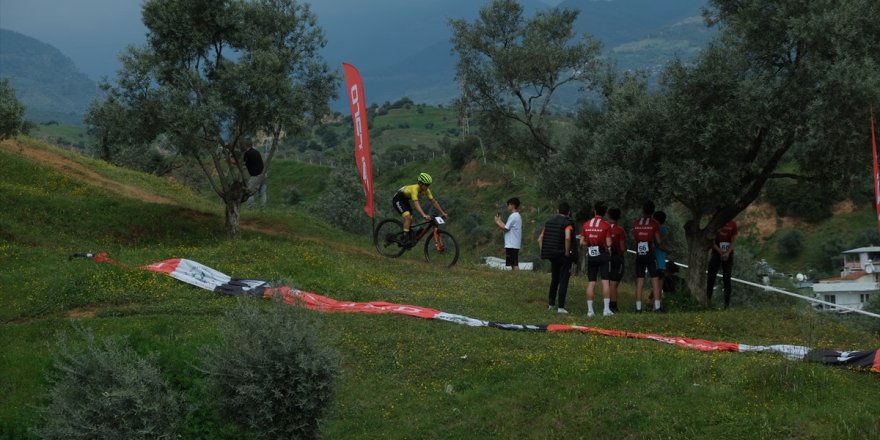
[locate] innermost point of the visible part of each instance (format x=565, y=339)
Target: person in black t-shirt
x=557, y=243
x=253, y=161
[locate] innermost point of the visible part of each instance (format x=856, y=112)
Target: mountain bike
x=440, y=246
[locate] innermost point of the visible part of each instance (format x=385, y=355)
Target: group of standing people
x=603, y=241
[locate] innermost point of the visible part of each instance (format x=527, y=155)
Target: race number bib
x=593, y=251
x=724, y=246
x=643, y=248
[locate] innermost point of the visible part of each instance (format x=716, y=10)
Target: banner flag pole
x=363, y=160
x=876, y=172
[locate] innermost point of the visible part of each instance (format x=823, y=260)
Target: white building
x=856, y=283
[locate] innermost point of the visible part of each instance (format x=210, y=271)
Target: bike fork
x=438, y=242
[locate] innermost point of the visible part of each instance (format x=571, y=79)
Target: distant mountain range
x=402, y=48
x=408, y=52
x=45, y=81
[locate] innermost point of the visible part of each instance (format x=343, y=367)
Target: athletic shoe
x=590, y=314
x=608, y=313
x=562, y=311
x=550, y=308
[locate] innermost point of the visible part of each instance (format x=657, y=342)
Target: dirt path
x=70, y=167
x=73, y=168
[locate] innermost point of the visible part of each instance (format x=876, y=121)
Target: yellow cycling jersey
x=412, y=191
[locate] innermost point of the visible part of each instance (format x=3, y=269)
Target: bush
x=11, y=111
x=827, y=259
x=864, y=237
x=479, y=236
x=343, y=202
x=292, y=196
x=106, y=390
x=272, y=374
x=462, y=152
x=809, y=201
x=791, y=244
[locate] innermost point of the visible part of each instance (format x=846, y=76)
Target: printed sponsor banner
x=202, y=276
x=318, y=302
x=358, y=103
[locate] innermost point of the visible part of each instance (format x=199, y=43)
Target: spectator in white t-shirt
x=512, y=233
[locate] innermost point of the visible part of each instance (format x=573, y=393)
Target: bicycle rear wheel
x=443, y=252
x=388, y=237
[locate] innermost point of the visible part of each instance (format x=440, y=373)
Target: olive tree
x=510, y=69
x=11, y=111
x=785, y=83
x=213, y=75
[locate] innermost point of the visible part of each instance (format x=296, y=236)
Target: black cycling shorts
x=401, y=203
x=613, y=271
x=646, y=262
x=595, y=265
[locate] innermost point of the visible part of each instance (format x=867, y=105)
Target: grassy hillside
x=67, y=135
x=402, y=377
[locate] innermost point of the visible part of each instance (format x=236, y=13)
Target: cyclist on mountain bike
x=411, y=193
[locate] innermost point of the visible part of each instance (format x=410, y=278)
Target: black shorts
x=646, y=262
x=401, y=203
x=595, y=265
x=511, y=257
x=613, y=271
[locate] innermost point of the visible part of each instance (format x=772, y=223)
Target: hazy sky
x=94, y=32
x=81, y=29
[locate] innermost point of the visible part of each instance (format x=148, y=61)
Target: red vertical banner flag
x=358, y=102
x=876, y=173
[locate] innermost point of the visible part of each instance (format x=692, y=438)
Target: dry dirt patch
x=70, y=167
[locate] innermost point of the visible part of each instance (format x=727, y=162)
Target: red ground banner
x=197, y=274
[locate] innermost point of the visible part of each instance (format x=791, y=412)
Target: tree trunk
x=698, y=262
x=233, y=215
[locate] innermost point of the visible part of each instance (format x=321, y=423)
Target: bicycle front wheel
x=441, y=249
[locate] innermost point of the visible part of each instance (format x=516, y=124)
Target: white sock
x=638, y=305
x=607, y=302
x=656, y=304
x=590, y=305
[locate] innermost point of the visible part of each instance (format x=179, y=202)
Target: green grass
x=402, y=377
x=63, y=134
x=442, y=119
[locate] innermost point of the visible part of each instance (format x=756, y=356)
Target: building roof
x=849, y=277
x=863, y=250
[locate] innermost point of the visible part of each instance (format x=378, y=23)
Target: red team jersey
x=644, y=230
x=726, y=233
x=595, y=231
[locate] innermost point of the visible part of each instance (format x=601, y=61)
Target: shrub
x=462, y=152
x=272, y=374
x=342, y=204
x=11, y=111
x=292, y=196
x=864, y=237
x=479, y=236
x=106, y=390
x=791, y=244
x=826, y=259
x=809, y=201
